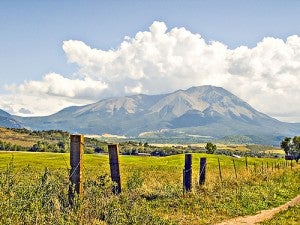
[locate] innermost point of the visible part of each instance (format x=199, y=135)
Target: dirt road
x=262, y=216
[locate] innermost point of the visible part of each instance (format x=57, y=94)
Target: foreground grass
x=152, y=190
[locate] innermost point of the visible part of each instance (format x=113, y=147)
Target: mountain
x=7, y=120
x=204, y=111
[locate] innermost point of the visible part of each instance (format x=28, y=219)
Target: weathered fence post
x=187, y=173
x=247, y=163
x=202, y=173
x=76, y=161
x=234, y=168
x=113, y=151
x=220, y=172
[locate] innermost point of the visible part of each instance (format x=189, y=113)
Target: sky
x=55, y=54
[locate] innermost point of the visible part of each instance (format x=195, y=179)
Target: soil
x=261, y=216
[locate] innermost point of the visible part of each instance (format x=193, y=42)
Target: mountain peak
x=202, y=110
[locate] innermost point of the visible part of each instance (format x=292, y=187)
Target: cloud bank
x=159, y=60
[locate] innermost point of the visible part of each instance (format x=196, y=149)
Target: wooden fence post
x=187, y=173
x=234, y=168
x=220, y=172
x=76, y=161
x=113, y=151
x=246, y=163
x=202, y=173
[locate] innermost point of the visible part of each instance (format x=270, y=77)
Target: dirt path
x=262, y=216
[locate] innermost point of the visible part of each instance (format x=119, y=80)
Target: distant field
x=275, y=151
x=231, y=147
x=152, y=189
x=58, y=141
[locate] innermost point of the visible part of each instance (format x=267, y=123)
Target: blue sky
x=33, y=33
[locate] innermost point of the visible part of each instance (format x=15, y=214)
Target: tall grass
x=34, y=190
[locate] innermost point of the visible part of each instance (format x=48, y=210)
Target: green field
x=34, y=189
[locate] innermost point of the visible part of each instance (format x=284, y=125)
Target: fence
x=76, y=173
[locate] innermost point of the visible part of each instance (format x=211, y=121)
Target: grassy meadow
x=34, y=189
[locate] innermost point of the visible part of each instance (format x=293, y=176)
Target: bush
x=211, y=148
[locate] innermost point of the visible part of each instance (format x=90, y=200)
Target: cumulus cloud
x=36, y=105
x=161, y=60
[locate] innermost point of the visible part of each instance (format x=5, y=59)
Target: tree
x=296, y=147
x=291, y=147
x=98, y=150
x=63, y=147
x=134, y=151
x=286, y=145
x=210, y=147
x=34, y=148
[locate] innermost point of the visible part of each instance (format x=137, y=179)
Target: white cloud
x=56, y=85
x=161, y=60
x=50, y=95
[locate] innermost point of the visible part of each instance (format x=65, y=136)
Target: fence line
x=77, y=165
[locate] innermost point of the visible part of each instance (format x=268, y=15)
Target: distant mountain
x=198, y=111
x=6, y=120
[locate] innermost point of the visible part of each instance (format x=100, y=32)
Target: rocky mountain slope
x=201, y=111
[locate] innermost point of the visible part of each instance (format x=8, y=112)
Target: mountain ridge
x=7, y=120
x=197, y=111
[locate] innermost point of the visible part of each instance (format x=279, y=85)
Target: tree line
x=58, y=141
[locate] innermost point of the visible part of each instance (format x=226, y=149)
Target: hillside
x=6, y=120
x=15, y=139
